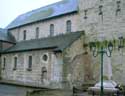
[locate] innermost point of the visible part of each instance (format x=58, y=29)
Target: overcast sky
x=10, y=9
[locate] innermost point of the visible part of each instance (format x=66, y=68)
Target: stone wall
x=77, y=68
x=109, y=25
x=104, y=20
x=6, y=45
x=21, y=74
x=44, y=27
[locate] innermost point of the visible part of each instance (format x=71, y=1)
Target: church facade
x=51, y=46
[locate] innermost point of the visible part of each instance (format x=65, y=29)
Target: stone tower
x=86, y=13
x=104, y=20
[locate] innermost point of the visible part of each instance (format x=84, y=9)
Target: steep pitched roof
x=6, y=36
x=43, y=13
x=57, y=43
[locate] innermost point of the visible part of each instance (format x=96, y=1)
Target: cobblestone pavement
x=83, y=94
x=10, y=90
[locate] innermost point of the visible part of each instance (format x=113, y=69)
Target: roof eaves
x=25, y=50
x=56, y=47
x=8, y=41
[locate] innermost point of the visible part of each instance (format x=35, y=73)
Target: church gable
x=5, y=36
x=6, y=39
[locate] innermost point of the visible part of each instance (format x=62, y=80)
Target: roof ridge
x=40, y=8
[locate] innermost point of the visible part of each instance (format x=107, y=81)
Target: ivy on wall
x=104, y=44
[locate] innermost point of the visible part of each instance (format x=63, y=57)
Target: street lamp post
x=102, y=51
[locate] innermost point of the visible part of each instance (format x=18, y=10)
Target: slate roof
x=6, y=36
x=57, y=43
x=43, y=13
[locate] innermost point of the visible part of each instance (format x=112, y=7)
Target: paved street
x=10, y=90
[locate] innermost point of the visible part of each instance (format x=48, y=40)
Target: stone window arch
x=30, y=63
x=68, y=26
x=4, y=63
x=24, y=35
x=51, y=29
x=15, y=59
x=37, y=32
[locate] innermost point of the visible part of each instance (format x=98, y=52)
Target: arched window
x=68, y=26
x=37, y=32
x=29, y=63
x=24, y=35
x=15, y=63
x=4, y=63
x=51, y=29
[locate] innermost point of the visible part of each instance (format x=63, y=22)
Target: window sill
x=29, y=69
x=14, y=69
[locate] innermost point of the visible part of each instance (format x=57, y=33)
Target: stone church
x=51, y=46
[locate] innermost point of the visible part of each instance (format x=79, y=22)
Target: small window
x=85, y=11
x=37, y=32
x=4, y=63
x=24, y=35
x=68, y=26
x=29, y=63
x=118, y=7
x=45, y=57
x=101, y=12
x=51, y=29
x=15, y=63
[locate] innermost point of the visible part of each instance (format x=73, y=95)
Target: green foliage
x=114, y=43
x=105, y=43
x=98, y=44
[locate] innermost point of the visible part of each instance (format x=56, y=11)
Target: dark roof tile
x=53, y=10
x=57, y=43
x=6, y=36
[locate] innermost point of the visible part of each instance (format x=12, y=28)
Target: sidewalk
x=24, y=84
x=82, y=94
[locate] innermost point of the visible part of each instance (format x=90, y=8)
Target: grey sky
x=10, y=9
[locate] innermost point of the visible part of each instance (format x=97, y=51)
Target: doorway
x=43, y=74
